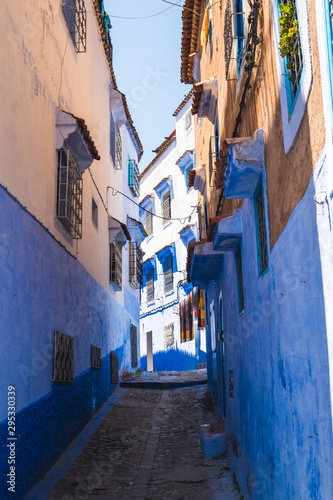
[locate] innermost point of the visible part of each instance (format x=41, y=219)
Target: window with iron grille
x=116, y=264
x=133, y=177
x=134, y=346
x=116, y=147
x=168, y=274
x=135, y=264
x=234, y=31
x=95, y=357
x=69, y=206
x=149, y=222
x=240, y=279
x=187, y=119
x=63, y=358
x=231, y=384
x=261, y=230
x=166, y=206
x=294, y=58
x=169, y=334
x=76, y=19
x=150, y=285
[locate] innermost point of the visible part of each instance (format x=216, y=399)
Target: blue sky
x=146, y=59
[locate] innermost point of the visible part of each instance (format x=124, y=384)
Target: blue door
x=213, y=351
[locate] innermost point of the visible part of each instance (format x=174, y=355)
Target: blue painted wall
x=42, y=289
x=279, y=422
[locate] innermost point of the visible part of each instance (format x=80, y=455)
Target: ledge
x=228, y=232
x=245, y=165
x=204, y=263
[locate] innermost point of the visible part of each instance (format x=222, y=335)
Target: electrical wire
x=142, y=17
x=182, y=220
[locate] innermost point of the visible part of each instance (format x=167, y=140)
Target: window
x=149, y=222
x=116, y=265
x=261, y=230
x=240, y=280
x=94, y=213
x=63, y=358
x=239, y=32
x=290, y=47
x=190, y=167
x=69, y=206
x=95, y=357
x=329, y=29
x=166, y=206
x=150, y=284
x=133, y=177
x=76, y=19
x=168, y=274
x=116, y=146
x=135, y=264
x=169, y=334
x=187, y=119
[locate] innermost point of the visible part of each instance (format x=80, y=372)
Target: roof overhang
x=73, y=131
x=136, y=230
x=190, y=33
x=118, y=232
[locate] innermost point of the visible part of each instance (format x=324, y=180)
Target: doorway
x=150, y=367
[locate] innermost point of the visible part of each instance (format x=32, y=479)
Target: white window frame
x=291, y=123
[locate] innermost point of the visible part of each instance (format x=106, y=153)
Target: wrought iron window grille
x=96, y=357
x=116, y=264
x=76, y=19
x=133, y=177
x=63, y=358
x=69, y=206
x=116, y=146
x=149, y=222
x=168, y=274
x=135, y=264
x=169, y=332
x=296, y=58
x=263, y=254
x=166, y=207
x=230, y=35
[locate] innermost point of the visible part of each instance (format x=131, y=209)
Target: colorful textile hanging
x=201, y=310
x=182, y=322
x=190, y=312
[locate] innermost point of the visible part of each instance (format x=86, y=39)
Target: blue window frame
x=239, y=11
x=240, y=280
x=262, y=250
x=293, y=64
x=329, y=30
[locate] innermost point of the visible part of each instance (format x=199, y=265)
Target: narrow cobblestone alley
x=147, y=447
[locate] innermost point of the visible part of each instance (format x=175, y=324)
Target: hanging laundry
x=205, y=28
x=208, y=100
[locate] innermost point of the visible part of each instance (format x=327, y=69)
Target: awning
x=197, y=179
x=136, y=230
x=74, y=131
x=118, y=232
x=203, y=263
x=205, y=99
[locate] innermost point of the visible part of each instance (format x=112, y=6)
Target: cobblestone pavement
x=148, y=447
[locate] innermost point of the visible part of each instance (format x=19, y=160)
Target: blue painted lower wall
x=43, y=288
x=279, y=420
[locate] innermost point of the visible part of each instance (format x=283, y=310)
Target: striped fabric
x=201, y=310
x=186, y=319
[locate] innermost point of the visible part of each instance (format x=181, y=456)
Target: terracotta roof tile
x=86, y=135
x=190, y=33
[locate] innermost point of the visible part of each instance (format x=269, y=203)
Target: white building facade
x=169, y=212
x=69, y=240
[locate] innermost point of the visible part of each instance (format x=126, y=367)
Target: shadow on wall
x=174, y=359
